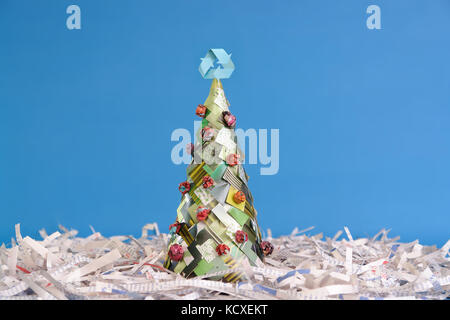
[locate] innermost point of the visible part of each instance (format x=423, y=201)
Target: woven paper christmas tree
x=216, y=227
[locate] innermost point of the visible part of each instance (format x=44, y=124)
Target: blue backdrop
x=364, y=115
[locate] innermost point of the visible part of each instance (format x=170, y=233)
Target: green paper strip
x=218, y=173
x=238, y=215
x=203, y=267
x=208, y=169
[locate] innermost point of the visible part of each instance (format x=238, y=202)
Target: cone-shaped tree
x=216, y=227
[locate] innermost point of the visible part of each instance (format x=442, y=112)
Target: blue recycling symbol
x=216, y=64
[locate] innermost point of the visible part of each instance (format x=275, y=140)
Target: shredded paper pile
x=64, y=266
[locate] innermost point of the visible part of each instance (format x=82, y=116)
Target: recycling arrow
x=216, y=64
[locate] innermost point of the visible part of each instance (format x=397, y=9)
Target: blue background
x=364, y=115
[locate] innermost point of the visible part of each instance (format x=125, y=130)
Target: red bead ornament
x=177, y=225
x=184, y=187
x=222, y=249
x=202, y=213
x=201, y=111
x=229, y=119
x=232, y=159
x=176, y=252
x=266, y=247
x=239, y=197
x=207, y=182
x=241, y=236
x=207, y=133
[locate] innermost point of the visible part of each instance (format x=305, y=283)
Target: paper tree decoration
x=216, y=228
